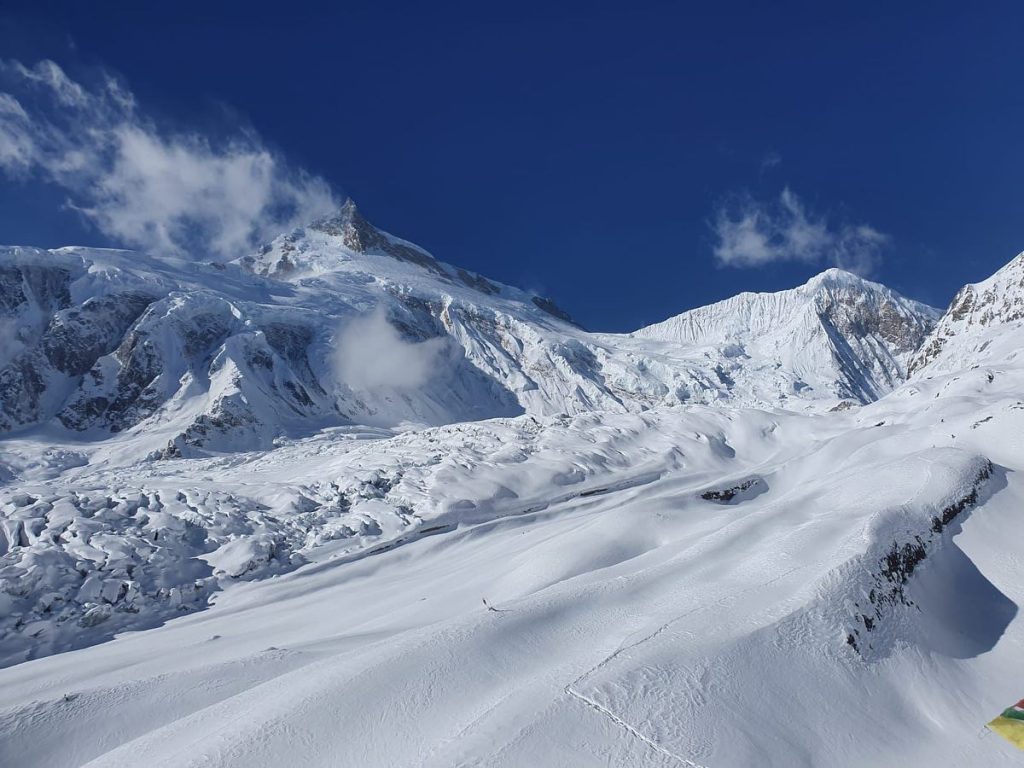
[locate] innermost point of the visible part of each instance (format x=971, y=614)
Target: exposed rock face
x=895, y=568
x=52, y=342
x=360, y=236
x=976, y=308
x=552, y=309
x=752, y=486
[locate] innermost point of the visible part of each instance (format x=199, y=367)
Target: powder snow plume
x=141, y=185
x=371, y=355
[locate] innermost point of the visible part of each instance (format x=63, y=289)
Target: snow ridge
x=837, y=332
x=192, y=357
x=980, y=315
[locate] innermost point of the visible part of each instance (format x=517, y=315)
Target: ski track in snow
x=571, y=687
x=629, y=728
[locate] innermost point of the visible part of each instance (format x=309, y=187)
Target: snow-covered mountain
x=980, y=315
x=115, y=341
x=340, y=503
x=191, y=355
x=837, y=334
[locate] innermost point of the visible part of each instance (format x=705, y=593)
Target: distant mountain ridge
x=185, y=356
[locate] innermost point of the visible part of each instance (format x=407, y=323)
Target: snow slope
x=636, y=621
x=632, y=555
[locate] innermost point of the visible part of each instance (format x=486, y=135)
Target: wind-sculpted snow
x=902, y=543
x=676, y=674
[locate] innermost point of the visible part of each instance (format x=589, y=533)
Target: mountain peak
x=837, y=274
x=975, y=310
x=359, y=235
x=347, y=233
x=837, y=327
x=336, y=243
x=834, y=277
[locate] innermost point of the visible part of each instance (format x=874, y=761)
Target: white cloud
x=53, y=78
x=145, y=187
x=750, y=233
x=17, y=148
x=371, y=356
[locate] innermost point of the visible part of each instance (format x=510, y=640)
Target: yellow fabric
x=1010, y=729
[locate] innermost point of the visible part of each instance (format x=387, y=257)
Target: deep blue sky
x=582, y=151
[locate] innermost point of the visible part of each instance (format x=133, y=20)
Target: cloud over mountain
x=139, y=184
x=752, y=233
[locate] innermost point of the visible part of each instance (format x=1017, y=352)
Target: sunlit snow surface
x=688, y=584
x=637, y=623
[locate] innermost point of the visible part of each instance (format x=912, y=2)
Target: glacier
x=776, y=530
